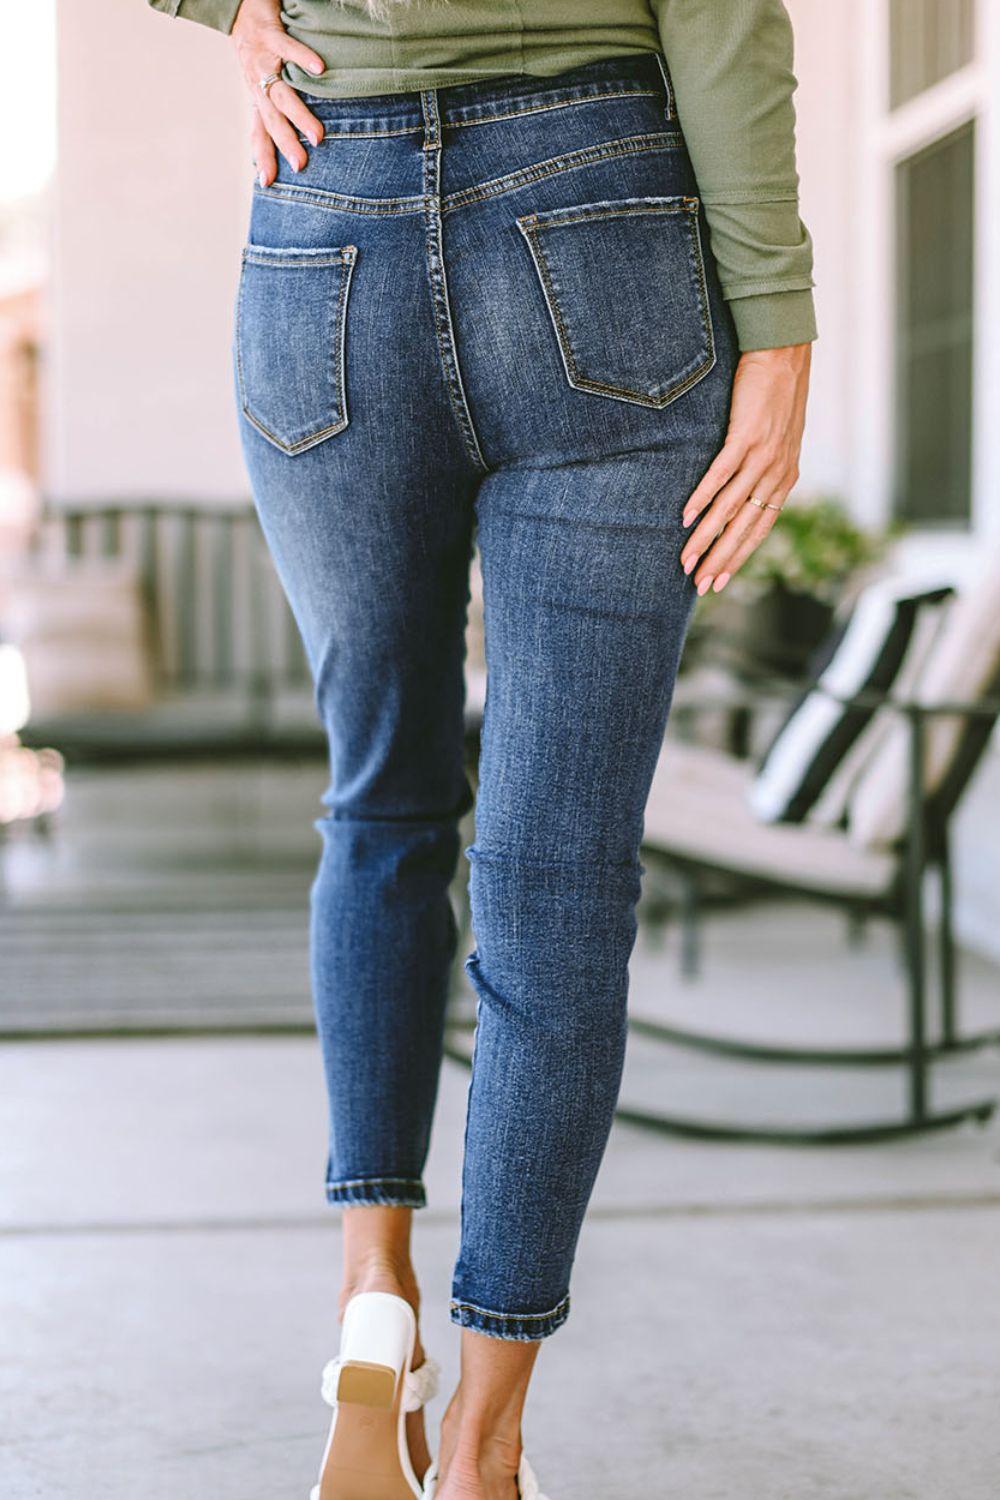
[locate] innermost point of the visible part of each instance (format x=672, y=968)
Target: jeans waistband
x=497, y=98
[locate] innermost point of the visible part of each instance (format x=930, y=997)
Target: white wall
x=827, y=111
x=152, y=198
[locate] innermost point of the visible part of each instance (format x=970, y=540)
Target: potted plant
x=781, y=603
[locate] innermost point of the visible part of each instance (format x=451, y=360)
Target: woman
x=532, y=267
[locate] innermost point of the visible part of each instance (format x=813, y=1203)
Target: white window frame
x=886, y=138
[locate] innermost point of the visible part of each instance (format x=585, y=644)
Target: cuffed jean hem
x=389, y=1192
x=510, y=1325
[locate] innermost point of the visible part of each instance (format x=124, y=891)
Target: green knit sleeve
x=730, y=62
x=219, y=14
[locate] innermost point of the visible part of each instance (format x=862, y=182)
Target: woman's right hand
x=262, y=45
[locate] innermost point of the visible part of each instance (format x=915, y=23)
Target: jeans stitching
x=324, y=198
x=668, y=86
x=362, y=135
x=343, y=257
x=618, y=209
x=345, y=288
x=453, y=122
x=440, y=303
x=476, y=853
x=519, y=1326
x=487, y=1312
x=342, y=202
x=629, y=145
x=529, y=226
x=268, y=256
x=698, y=263
x=402, y=1192
x=348, y=1182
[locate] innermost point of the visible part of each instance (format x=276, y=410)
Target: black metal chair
x=823, y=866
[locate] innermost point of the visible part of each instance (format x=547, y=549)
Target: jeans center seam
x=431, y=149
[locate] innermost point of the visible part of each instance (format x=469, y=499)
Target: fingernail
x=690, y=564
x=314, y=140
x=688, y=517
x=262, y=179
x=316, y=67
x=721, y=582
x=704, y=585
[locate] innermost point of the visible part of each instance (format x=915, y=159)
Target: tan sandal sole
x=363, y=1459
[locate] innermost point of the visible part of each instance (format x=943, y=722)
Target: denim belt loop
x=432, y=120
x=664, y=70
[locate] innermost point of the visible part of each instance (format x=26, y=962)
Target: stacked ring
x=264, y=84
x=761, y=504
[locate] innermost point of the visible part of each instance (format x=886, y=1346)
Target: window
x=929, y=39
x=934, y=236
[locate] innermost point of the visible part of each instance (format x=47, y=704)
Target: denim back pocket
x=624, y=282
x=291, y=324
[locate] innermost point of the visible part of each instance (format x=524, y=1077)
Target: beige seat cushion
x=698, y=808
x=962, y=667
x=475, y=691
x=82, y=628
x=14, y=702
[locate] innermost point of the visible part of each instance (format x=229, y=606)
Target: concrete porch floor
x=749, y=1323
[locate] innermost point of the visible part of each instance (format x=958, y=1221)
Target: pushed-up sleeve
x=730, y=62
x=219, y=14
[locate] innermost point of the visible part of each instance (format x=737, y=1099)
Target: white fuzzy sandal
x=527, y=1484
x=371, y=1387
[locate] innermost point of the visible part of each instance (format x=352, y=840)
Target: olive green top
x=730, y=63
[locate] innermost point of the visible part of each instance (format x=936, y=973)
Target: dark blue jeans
x=491, y=310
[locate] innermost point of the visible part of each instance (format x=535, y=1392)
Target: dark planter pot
x=784, y=627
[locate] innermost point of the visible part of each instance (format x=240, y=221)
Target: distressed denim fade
x=488, y=311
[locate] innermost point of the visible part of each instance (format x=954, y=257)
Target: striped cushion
x=863, y=653
x=964, y=666
x=830, y=808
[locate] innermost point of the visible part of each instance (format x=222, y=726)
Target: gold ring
x=264, y=84
x=761, y=504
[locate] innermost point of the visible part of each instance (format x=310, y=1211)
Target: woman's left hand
x=760, y=458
